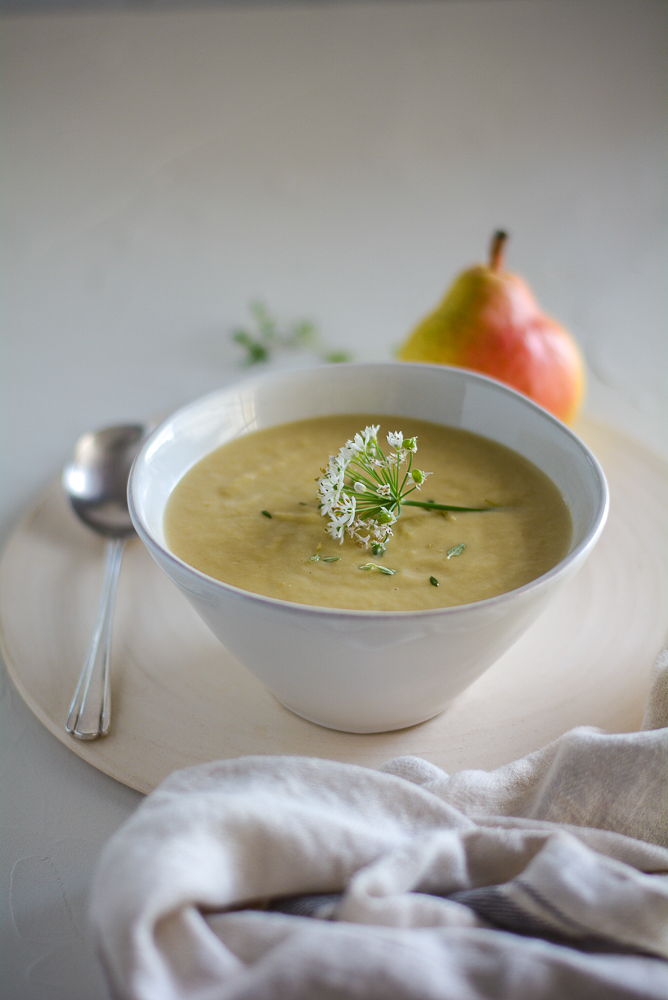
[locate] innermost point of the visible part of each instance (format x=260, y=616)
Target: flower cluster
x=362, y=489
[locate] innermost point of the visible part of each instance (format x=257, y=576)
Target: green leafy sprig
x=265, y=336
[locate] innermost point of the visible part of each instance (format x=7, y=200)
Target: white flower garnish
x=362, y=489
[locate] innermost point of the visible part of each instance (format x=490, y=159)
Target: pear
x=489, y=321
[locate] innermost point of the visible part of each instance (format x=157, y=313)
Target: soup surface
x=248, y=514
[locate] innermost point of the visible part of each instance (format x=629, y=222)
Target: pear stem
x=496, y=250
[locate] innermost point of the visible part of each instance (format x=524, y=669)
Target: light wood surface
x=179, y=698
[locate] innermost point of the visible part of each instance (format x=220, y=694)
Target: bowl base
x=362, y=728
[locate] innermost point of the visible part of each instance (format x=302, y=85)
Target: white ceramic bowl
x=366, y=671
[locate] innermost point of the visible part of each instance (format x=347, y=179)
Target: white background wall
x=340, y=160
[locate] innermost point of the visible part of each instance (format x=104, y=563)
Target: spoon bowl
x=96, y=482
x=96, y=479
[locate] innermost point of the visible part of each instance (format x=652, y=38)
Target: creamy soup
x=248, y=514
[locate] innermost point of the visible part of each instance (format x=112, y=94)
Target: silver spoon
x=96, y=482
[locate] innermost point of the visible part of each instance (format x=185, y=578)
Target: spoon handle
x=90, y=711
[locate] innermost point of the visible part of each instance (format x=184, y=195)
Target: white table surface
x=162, y=169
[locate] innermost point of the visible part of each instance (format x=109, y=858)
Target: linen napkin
x=300, y=878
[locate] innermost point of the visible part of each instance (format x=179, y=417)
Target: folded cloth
x=298, y=878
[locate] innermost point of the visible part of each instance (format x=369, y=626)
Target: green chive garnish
x=381, y=569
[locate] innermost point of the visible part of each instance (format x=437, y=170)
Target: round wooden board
x=179, y=698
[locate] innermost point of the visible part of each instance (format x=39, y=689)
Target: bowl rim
x=562, y=568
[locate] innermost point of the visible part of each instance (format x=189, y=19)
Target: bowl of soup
x=352, y=630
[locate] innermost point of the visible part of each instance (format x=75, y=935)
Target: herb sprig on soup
x=362, y=489
x=250, y=514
